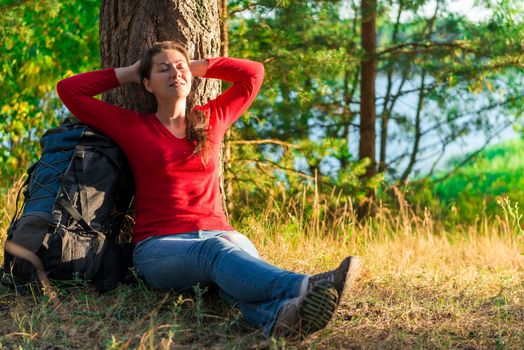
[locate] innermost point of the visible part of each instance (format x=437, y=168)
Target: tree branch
x=472, y=155
x=264, y=141
x=426, y=46
x=468, y=114
x=241, y=9
x=276, y=165
x=13, y=4
x=418, y=135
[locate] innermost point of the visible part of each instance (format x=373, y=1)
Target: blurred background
x=362, y=100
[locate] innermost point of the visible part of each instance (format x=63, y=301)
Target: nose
x=176, y=72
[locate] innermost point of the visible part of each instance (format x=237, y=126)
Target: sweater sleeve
x=246, y=76
x=77, y=93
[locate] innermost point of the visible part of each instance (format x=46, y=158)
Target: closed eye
x=162, y=67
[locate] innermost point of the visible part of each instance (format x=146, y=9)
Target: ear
x=147, y=85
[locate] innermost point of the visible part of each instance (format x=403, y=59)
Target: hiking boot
x=342, y=278
x=305, y=315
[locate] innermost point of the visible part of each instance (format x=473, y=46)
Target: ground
x=420, y=287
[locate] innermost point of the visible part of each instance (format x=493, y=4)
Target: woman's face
x=170, y=75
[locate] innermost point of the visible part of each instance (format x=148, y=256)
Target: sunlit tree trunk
x=128, y=28
x=367, y=96
x=367, y=85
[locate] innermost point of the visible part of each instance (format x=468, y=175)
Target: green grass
x=423, y=285
x=416, y=291
x=495, y=172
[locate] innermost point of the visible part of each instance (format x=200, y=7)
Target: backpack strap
x=23, y=253
x=81, y=179
x=74, y=214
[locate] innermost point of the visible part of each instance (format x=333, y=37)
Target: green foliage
x=305, y=47
x=473, y=80
x=495, y=173
x=43, y=41
x=308, y=106
x=311, y=92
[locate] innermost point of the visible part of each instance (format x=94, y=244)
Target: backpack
x=76, y=199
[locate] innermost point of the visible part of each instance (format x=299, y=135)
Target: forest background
x=444, y=81
x=440, y=78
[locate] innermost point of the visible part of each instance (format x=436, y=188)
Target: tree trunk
x=226, y=180
x=127, y=29
x=367, y=98
x=367, y=85
x=224, y=48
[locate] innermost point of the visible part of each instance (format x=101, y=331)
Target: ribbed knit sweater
x=175, y=191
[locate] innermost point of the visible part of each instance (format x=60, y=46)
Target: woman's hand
x=129, y=74
x=198, y=68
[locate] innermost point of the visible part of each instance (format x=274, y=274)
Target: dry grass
x=422, y=286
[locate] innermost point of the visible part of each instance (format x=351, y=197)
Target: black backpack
x=76, y=199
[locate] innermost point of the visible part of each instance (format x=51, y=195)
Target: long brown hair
x=196, y=121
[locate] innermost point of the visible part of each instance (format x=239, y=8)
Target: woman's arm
x=77, y=93
x=246, y=76
x=198, y=68
x=129, y=74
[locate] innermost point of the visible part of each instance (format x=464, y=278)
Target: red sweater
x=175, y=192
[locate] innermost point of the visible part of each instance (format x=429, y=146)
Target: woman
x=181, y=234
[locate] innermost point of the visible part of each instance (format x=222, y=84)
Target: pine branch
x=241, y=9
x=264, y=141
x=12, y=4
x=426, y=46
x=472, y=155
x=469, y=114
x=266, y=162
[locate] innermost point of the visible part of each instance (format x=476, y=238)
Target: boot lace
x=321, y=277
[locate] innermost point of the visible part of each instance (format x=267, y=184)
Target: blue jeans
x=225, y=258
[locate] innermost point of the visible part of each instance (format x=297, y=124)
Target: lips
x=177, y=83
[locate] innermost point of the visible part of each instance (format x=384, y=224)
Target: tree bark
x=226, y=180
x=367, y=99
x=224, y=48
x=127, y=29
x=367, y=85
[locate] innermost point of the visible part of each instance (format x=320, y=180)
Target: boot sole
x=318, y=308
x=351, y=275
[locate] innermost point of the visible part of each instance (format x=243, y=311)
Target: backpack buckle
x=79, y=152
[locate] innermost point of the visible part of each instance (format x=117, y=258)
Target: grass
x=422, y=286
x=496, y=171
